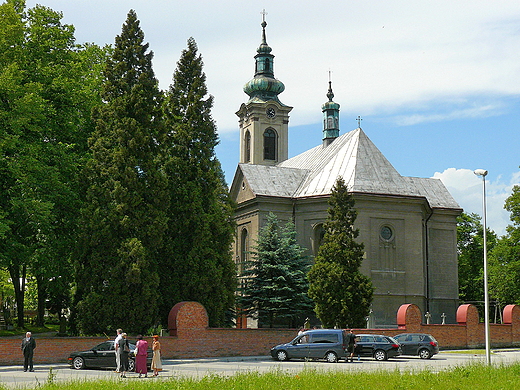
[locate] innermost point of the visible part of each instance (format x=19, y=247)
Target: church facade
x=407, y=224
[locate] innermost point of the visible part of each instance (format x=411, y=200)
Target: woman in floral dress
x=156, y=360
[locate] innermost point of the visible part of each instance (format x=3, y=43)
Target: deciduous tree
x=44, y=122
x=504, y=259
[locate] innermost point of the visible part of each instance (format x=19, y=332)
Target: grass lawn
x=470, y=377
x=31, y=328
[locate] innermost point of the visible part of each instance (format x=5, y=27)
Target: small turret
x=330, y=111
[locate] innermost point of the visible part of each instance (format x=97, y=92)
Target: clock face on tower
x=270, y=112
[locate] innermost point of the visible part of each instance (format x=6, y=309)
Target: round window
x=386, y=233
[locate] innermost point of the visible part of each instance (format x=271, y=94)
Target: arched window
x=247, y=147
x=318, y=234
x=267, y=65
x=269, y=144
x=244, y=251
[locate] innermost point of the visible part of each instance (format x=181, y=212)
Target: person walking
x=141, y=353
x=28, y=346
x=351, y=345
x=116, y=347
x=124, y=351
x=156, y=359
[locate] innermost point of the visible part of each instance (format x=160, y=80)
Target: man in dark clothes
x=28, y=345
x=351, y=342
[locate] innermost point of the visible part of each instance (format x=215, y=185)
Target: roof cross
x=263, y=15
x=359, y=119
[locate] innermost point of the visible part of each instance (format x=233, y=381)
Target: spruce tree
x=197, y=254
x=341, y=293
x=276, y=284
x=125, y=214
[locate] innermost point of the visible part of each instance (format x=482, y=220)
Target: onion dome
x=330, y=105
x=264, y=86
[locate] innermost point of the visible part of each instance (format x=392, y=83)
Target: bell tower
x=263, y=119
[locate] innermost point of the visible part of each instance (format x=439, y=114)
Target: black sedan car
x=377, y=346
x=418, y=344
x=103, y=356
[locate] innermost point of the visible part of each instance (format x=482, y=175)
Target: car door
x=413, y=344
x=298, y=348
x=404, y=341
x=104, y=355
x=365, y=346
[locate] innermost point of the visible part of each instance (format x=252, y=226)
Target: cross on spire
x=359, y=119
x=263, y=15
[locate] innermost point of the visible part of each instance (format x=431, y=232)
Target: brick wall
x=190, y=336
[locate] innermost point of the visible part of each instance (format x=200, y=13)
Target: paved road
x=14, y=377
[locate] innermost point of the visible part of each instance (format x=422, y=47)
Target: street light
x=483, y=173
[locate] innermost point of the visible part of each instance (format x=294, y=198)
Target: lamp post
x=483, y=173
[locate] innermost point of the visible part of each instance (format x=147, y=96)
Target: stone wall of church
x=442, y=265
x=393, y=230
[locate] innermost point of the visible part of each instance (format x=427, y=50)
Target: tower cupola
x=264, y=87
x=330, y=111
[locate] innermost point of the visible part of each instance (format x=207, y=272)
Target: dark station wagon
x=377, y=346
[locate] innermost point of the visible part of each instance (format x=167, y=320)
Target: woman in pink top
x=141, y=353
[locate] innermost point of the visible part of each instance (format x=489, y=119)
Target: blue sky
x=436, y=82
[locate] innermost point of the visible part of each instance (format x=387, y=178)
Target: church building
x=407, y=224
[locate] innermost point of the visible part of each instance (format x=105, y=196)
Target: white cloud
x=480, y=111
x=385, y=55
x=467, y=188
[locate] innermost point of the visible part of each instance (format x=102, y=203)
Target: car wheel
x=282, y=356
x=131, y=364
x=78, y=363
x=331, y=357
x=424, y=354
x=380, y=355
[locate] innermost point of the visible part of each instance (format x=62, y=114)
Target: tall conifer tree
x=341, y=293
x=125, y=214
x=197, y=257
x=276, y=284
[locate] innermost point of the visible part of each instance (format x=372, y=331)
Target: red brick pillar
x=187, y=316
x=409, y=317
x=512, y=318
x=468, y=315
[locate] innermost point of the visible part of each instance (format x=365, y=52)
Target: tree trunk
x=42, y=296
x=19, y=291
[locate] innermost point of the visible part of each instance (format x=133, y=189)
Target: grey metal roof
x=273, y=180
x=352, y=156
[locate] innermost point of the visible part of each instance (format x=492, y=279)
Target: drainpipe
x=427, y=259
